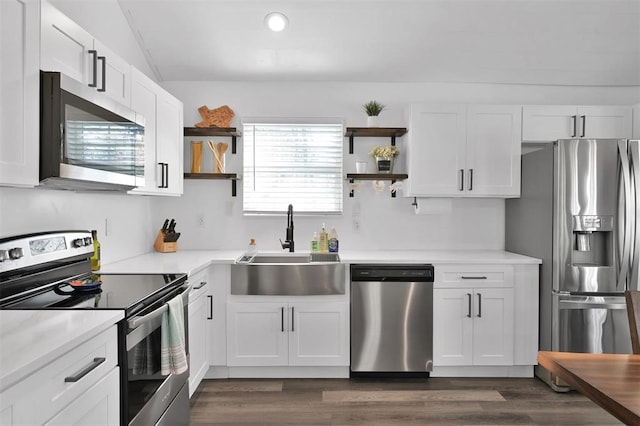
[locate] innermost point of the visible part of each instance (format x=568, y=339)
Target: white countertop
x=30, y=339
x=191, y=261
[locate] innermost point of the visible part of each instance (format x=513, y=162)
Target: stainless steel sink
x=289, y=275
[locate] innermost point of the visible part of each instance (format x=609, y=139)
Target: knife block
x=161, y=246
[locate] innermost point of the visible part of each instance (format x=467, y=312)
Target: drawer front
x=447, y=276
x=47, y=391
x=199, y=283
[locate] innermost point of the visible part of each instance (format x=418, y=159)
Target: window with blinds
x=299, y=164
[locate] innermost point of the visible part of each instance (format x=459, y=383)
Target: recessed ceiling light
x=276, y=21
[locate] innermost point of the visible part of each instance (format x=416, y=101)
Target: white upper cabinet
x=68, y=48
x=542, y=123
x=464, y=151
x=19, y=92
x=162, y=138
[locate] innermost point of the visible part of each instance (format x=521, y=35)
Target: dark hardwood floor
x=435, y=401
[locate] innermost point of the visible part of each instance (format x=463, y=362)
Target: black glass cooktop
x=131, y=292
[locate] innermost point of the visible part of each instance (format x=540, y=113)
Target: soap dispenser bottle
x=333, y=241
x=324, y=240
x=315, y=243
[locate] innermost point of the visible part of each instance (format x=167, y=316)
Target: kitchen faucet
x=288, y=243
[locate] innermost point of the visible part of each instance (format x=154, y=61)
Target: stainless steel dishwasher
x=391, y=320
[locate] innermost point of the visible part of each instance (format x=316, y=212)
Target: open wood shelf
x=233, y=177
x=231, y=132
x=374, y=132
x=393, y=177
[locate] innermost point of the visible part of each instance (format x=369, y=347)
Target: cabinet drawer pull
x=479, y=305
x=464, y=277
x=80, y=374
x=202, y=284
x=469, y=310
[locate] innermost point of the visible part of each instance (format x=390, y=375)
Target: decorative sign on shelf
x=218, y=117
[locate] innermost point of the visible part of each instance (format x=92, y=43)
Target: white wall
x=384, y=223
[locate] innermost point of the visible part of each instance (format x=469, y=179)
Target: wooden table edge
x=551, y=362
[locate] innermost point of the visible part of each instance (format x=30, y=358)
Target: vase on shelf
x=384, y=164
x=196, y=156
x=373, y=121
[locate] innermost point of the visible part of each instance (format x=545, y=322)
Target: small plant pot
x=384, y=164
x=373, y=121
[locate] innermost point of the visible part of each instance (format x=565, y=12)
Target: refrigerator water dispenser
x=593, y=241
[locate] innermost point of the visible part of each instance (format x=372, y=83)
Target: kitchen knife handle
x=479, y=305
x=584, y=125
x=88, y=369
x=210, y=317
x=94, y=60
x=104, y=73
x=461, y=187
x=469, y=309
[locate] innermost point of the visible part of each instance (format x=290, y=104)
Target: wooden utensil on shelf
x=218, y=151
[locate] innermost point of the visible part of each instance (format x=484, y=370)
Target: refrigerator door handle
x=628, y=214
x=634, y=245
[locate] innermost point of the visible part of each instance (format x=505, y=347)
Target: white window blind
x=299, y=164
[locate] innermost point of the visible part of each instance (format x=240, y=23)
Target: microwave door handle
x=104, y=73
x=625, y=218
x=94, y=61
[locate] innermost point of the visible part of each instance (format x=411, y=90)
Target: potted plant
x=384, y=156
x=373, y=109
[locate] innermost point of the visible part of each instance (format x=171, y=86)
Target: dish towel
x=173, y=357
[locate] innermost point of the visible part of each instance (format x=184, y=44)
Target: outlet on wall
x=356, y=224
x=200, y=220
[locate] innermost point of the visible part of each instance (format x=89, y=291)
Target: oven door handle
x=135, y=322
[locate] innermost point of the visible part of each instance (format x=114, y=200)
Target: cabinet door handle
x=470, y=179
x=574, y=118
x=88, y=369
x=479, y=305
x=202, y=284
x=210, y=317
x=94, y=61
x=104, y=73
x=282, y=319
x=461, y=187
x=482, y=277
x=469, y=309
x=166, y=176
x=292, y=319
x=584, y=125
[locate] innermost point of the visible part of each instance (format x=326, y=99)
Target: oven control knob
x=78, y=242
x=87, y=241
x=15, y=253
x=4, y=255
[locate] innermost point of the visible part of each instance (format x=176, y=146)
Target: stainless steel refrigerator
x=578, y=212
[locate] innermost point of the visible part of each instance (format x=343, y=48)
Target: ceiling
x=557, y=42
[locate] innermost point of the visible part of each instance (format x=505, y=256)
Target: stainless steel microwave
x=87, y=141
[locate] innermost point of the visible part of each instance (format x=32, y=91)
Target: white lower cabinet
x=198, y=336
x=287, y=333
x=80, y=387
x=474, y=326
x=100, y=405
x=473, y=316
